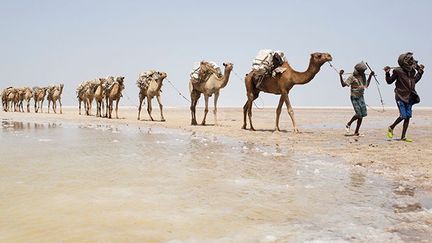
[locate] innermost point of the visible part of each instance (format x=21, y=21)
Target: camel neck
x=225, y=77
x=306, y=76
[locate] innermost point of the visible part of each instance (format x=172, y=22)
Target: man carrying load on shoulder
x=406, y=76
x=357, y=81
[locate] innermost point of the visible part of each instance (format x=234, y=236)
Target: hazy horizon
x=51, y=42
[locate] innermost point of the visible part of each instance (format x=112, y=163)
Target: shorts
x=359, y=105
x=405, y=109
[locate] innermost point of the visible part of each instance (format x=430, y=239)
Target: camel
x=99, y=94
x=151, y=90
x=19, y=99
x=39, y=97
x=85, y=93
x=54, y=94
x=11, y=97
x=281, y=85
x=209, y=87
x=28, y=94
x=114, y=93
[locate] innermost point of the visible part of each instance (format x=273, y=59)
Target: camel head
x=162, y=75
x=319, y=58
x=120, y=81
x=228, y=66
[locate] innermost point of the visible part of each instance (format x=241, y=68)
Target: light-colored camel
x=281, y=84
x=209, y=87
x=12, y=97
x=100, y=94
x=28, y=95
x=39, y=97
x=85, y=94
x=153, y=89
x=19, y=100
x=114, y=93
x=54, y=94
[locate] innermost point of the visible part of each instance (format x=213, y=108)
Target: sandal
x=389, y=132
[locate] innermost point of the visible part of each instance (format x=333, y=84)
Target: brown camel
x=208, y=87
x=281, y=85
x=152, y=89
x=39, y=97
x=54, y=94
x=114, y=93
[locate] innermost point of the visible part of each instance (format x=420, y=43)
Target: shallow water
x=76, y=182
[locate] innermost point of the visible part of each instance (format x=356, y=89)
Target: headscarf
x=359, y=70
x=407, y=62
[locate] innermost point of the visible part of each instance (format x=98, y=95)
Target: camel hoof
x=296, y=131
x=243, y=127
x=252, y=129
x=162, y=120
x=194, y=123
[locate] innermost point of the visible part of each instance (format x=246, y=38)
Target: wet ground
x=76, y=182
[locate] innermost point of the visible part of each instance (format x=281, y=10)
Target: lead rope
x=179, y=93
x=379, y=91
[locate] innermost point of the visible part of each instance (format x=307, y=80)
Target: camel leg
x=28, y=106
x=291, y=114
x=35, y=107
x=103, y=108
x=54, y=106
x=41, y=106
x=97, y=108
x=278, y=111
x=194, y=100
x=160, y=107
x=49, y=102
x=110, y=108
x=107, y=107
x=206, y=99
x=244, y=113
x=117, y=102
x=141, y=99
x=251, y=98
x=149, y=107
x=216, y=97
x=61, y=111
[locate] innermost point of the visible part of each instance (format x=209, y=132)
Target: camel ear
x=224, y=64
x=319, y=55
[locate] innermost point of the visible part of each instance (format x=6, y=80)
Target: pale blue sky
x=45, y=42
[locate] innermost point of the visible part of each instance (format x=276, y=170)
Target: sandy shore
x=321, y=130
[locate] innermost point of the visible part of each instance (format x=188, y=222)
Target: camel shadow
x=149, y=120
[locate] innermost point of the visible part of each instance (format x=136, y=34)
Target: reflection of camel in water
x=209, y=87
x=54, y=94
x=281, y=85
x=39, y=96
x=153, y=89
x=114, y=94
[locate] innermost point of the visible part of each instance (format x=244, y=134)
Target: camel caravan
x=270, y=73
x=104, y=91
x=13, y=99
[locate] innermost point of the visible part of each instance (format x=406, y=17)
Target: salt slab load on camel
x=263, y=62
x=194, y=75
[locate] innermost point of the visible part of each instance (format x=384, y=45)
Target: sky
x=49, y=42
